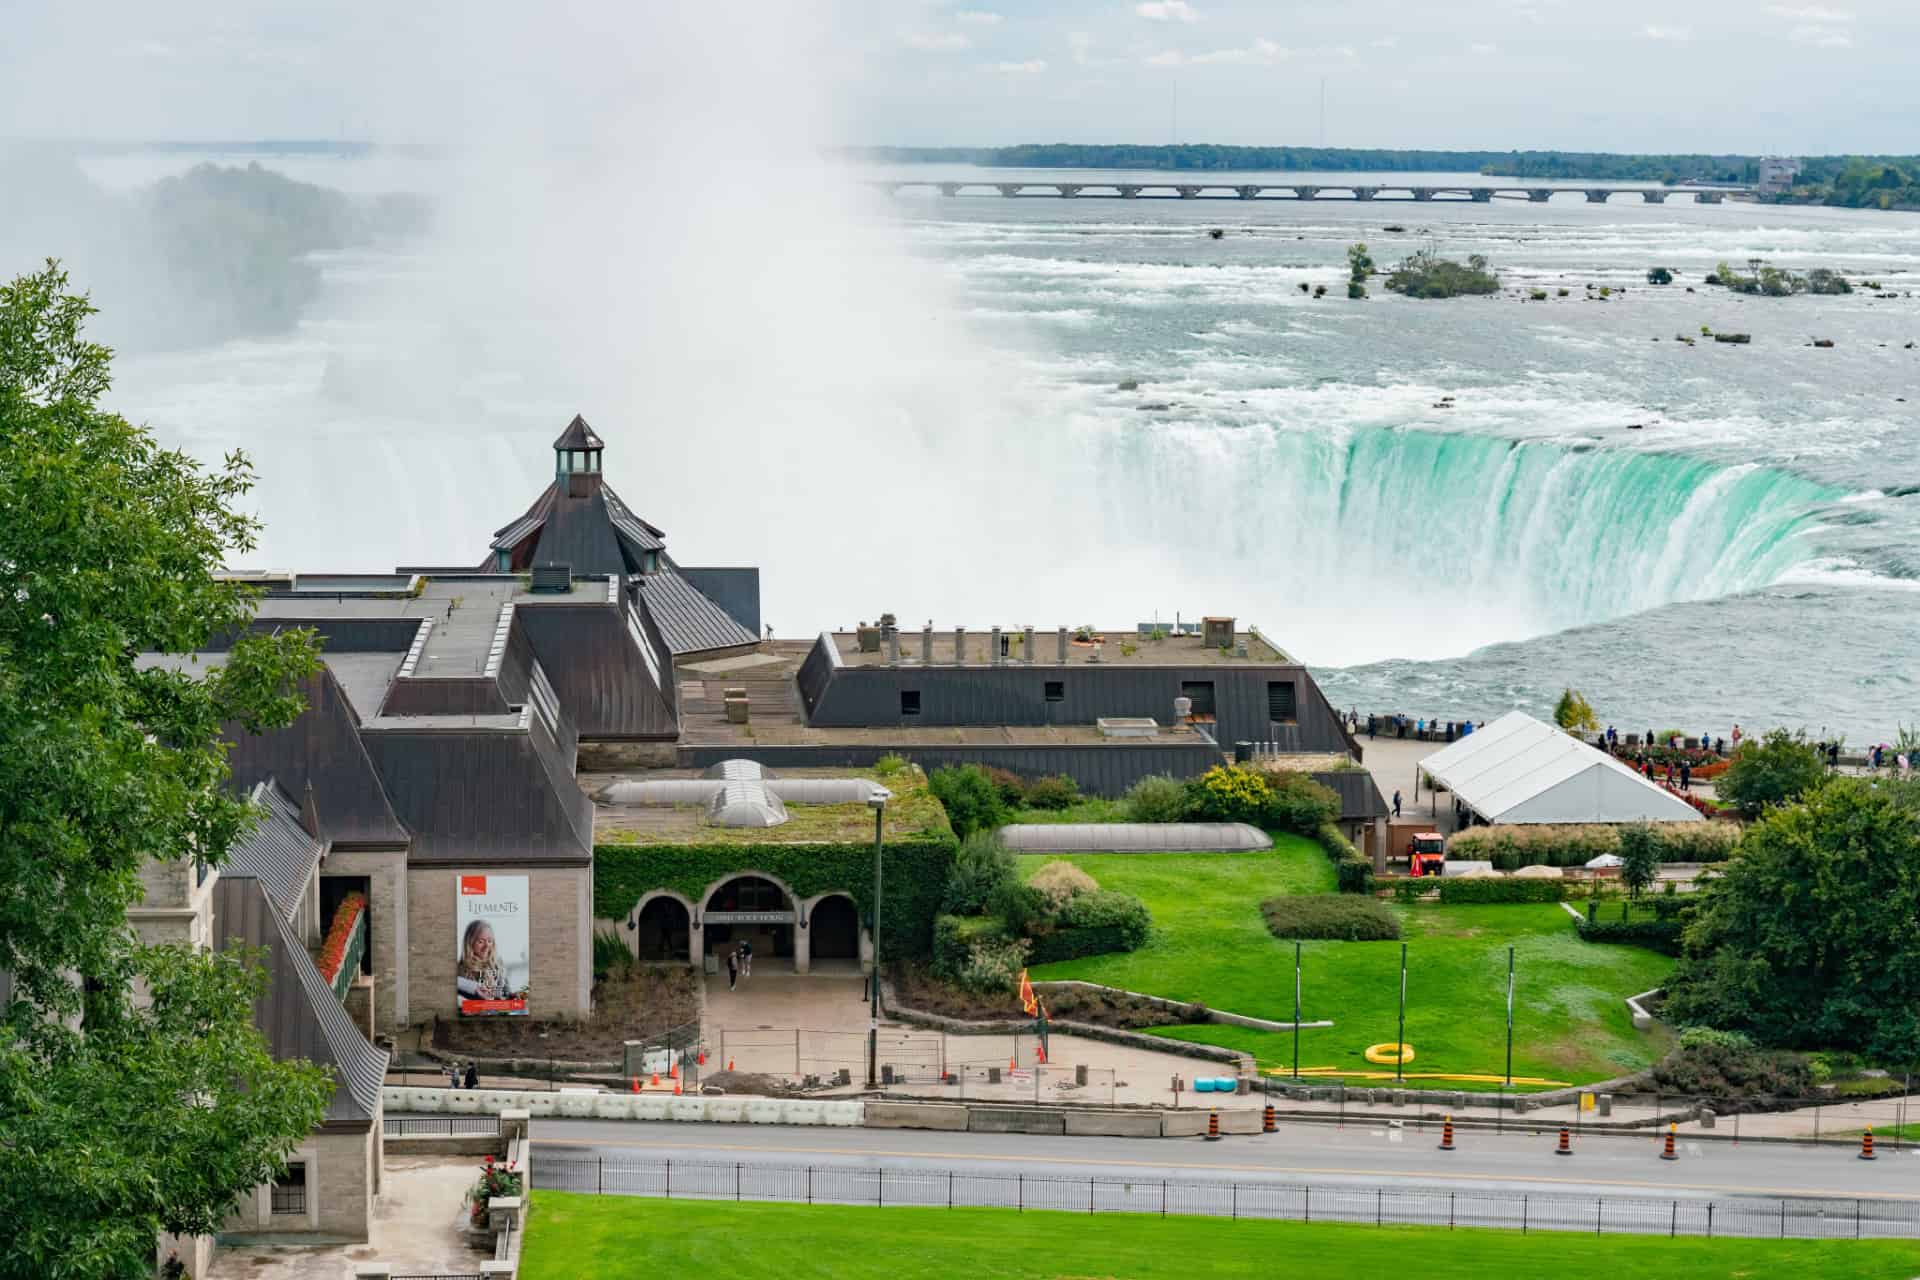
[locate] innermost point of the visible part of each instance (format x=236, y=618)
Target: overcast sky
x=1624, y=75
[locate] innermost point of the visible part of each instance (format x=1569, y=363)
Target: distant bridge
x=1275, y=191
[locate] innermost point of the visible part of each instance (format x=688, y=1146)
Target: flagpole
x=1400, y=1045
x=1509, y=1017
x=1296, y=1010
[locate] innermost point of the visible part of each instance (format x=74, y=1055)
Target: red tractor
x=1426, y=854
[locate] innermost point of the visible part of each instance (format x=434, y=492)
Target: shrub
x=1655, y=934
x=890, y=764
x=1010, y=786
x=982, y=865
x=1509, y=848
x=1299, y=804
x=1352, y=873
x=1773, y=770
x=1659, y=275
x=1020, y=907
x=1725, y=1069
x=1057, y=791
x=610, y=955
x=1155, y=799
x=1574, y=713
x=971, y=800
x=1337, y=916
x=1091, y=924
x=1229, y=793
x=1697, y=1037
x=1061, y=880
x=1489, y=889
x=992, y=966
x=957, y=938
x=1425, y=274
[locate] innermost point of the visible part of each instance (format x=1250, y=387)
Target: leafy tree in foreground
x=1574, y=713
x=1770, y=770
x=1807, y=940
x=120, y=1115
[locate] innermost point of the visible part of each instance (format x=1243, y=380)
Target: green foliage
x=1574, y=713
x=1337, y=916
x=890, y=765
x=1725, y=1068
x=981, y=865
x=611, y=958
x=1773, y=282
x=1091, y=924
x=1424, y=274
x=1060, y=880
x=956, y=939
x=915, y=876
x=1770, y=770
x=1659, y=275
x=1156, y=799
x=1010, y=785
x=1056, y=791
x=1703, y=1037
x=992, y=965
x=161, y=1112
x=1511, y=847
x=1504, y=889
x=1639, y=856
x=1655, y=934
x=1359, y=267
x=1352, y=872
x=970, y=798
x=1228, y=793
x=1298, y=804
x=1807, y=939
x=1021, y=908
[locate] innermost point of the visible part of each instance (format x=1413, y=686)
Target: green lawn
x=613, y=1237
x=1211, y=946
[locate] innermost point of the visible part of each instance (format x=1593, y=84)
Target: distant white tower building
x=1777, y=174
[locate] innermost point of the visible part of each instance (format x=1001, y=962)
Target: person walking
x=733, y=969
x=746, y=958
x=1396, y=802
x=1686, y=775
x=472, y=1078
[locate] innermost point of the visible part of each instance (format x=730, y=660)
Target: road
x=1358, y=1155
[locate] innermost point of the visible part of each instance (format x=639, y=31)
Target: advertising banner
x=493, y=962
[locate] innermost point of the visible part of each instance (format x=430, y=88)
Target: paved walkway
x=416, y=1226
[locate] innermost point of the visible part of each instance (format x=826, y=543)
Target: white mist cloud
x=936, y=41
x=1167, y=11
x=1676, y=35
x=978, y=18
x=1031, y=67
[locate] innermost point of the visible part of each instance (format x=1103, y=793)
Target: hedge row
x=1337, y=916
x=1658, y=935
x=1492, y=889
x=1352, y=872
x=915, y=877
x=1511, y=847
x=1091, y=924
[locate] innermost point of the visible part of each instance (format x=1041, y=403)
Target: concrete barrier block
x=613, y=1106
x=1240, y=1120
x=917, y=1115
x=726, y=1110
x=1114, y=1124
x=842, y=1113
x=431, y=1102
x=578, y=1105
x=651, y=1106
x=541, y=1104
x=799, y=1112
x=764, y=1111
x=1182, y=1124
x=685, y=1108
x=463, y=1102
x=1014, y=1120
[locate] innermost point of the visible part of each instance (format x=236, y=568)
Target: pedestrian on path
x=472, y=1078
x=1686, y=776
x=733, y=970
x=746, y=959
x=1396, y=802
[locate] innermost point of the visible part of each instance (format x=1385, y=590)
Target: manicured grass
x=613, y=1237
x=1088, y=809
x=1211, y=946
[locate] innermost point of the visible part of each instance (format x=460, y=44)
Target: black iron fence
x=439, y=1126
x=1797, y=1217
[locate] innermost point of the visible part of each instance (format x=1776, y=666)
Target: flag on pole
x=1028, y=1001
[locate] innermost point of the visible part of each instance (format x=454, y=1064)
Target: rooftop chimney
x=960, y=646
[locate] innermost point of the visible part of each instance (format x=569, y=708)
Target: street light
x=877, y=801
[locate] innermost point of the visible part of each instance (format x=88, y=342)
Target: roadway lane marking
x=1430, y=1175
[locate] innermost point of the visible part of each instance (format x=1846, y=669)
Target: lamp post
x=877, y=801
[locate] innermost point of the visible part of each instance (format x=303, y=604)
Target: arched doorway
x=834, y=929
x=750, y=909
x=664, y=930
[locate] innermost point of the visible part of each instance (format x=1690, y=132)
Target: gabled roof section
x=501, y=796
x=688, y=620
x=510, y=535
x=579, y=435
x=297, y=1013
x=1521, y=770
x=637, y=533
x=578, y=532
x=279, y=852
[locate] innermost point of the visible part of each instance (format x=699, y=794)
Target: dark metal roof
x=579, y=534
x=279, y=852
x=297, y=1012
x=323, y=748
x=509, y=536
x=641, y=535
x=1359, y=794
x=689, y=621
x=609, y=664
x=578, y=435
x=485, y=796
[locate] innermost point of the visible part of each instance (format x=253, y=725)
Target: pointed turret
x=576, y=458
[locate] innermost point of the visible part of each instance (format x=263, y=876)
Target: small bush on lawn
x=890, y=764
x=971, y=800
x=1492, y=890
x=981, y=865
x=1092, y=924
x=1022, y=908
x=1056, y=791
x=1156, y=799
x=1727, y=1069
x=1229, y=793
x=1339, y=916
x=1509, y=848
x=1352, y=872
x=1299, y=804
x=992, y=965
x=1011, y=786
x=1059, y=881
x=955, y=937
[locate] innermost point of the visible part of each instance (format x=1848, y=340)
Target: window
x=1056, y=691
x=1281, y=704
x=290, y=1191
x=909, y=702
x=1200, y=693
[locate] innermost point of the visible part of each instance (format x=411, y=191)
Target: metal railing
x=1797, y=1217
x=439, y=1126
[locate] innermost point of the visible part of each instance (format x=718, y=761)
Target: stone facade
x=561, y=901
x=387, y=921
x=344, y=1169
x=172, y=907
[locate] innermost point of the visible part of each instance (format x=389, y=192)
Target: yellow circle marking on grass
x=1389, y=1054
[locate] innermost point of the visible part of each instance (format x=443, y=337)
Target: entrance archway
x=664, y=930
x=834, y=929
x=753, y=909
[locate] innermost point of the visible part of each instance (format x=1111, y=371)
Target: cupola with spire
x=576, y=458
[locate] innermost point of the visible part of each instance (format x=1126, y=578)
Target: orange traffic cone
x=1268, y=1121
x=673, y=1071
x=636, y=1084
x=729, y=1064
x=655, y=1082
x=1446, y=1134
x=1866, y=1145
x=1213, y=1126
x=676, y=1088
x=1566, y=1146
x=1669, y=1153
x=1039, y=1054
x=701, y=1058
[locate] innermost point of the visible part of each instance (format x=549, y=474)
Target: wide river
x=1448, y=508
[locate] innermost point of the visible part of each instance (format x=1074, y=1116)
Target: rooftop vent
x=554, y=578
x=1217, y=633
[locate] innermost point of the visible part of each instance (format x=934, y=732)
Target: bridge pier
x=1365, y=193
x=1187, y=193
x=1706, y=197
x=1305, y=193
x=1067, y=190
x=949, y=188
x=1128, y=192
x=1422, y=193
x=1482, y=195
x=1248, y=192
x=1654, y=197
x=1539, y=195
x=1010, y=189
x=1597, y=195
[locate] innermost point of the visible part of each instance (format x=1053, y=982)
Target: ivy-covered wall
x=914, y=875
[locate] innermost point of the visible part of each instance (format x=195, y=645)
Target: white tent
x=1518, y=770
